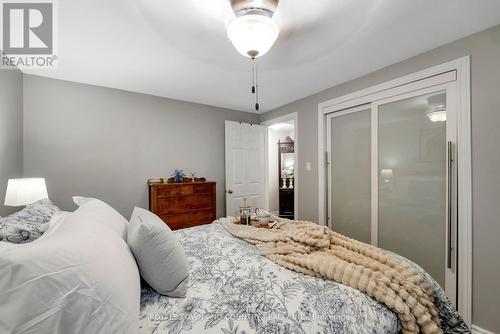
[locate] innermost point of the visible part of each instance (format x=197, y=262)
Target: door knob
x=230, y=191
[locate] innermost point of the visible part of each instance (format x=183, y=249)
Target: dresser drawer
x=188, y=219
x=177, y=190
x=185, y=189
x=174, y=204
x=204, y=188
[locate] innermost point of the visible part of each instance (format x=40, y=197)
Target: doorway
x=282, y=168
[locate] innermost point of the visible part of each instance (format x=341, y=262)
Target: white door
x=245, y=170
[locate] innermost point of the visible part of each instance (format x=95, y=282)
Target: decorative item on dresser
x=286, y=166
x=182, y=205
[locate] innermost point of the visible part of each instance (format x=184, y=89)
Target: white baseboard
x=479, y=330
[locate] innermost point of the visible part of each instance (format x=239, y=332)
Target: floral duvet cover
x=234, y=290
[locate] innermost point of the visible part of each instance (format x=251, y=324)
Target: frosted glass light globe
x=252, y=34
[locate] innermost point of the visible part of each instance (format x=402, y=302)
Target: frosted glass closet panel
x=350, y=174
x=412, y=180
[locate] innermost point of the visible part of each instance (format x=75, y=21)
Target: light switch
x=308, y=166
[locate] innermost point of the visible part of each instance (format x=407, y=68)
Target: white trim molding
x=479, y=330
x=281, y=119
x=457, y=70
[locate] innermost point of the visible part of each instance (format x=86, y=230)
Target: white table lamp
x=25, y=191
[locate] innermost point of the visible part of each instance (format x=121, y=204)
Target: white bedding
x=79, y=277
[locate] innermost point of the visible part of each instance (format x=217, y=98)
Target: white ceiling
x=178, y=49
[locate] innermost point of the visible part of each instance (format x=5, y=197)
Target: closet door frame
x=450, y=228
x=457, y=71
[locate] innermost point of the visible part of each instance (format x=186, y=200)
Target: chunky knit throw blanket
x=316, y=250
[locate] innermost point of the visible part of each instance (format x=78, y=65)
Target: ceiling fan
x=253, y=32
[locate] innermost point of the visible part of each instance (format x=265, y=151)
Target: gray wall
x=484, y=49
x=93, y=141
x=11, y=131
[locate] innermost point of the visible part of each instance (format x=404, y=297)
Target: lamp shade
x=25, y=191
x=253, y=34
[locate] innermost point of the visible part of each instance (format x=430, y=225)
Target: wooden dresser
x=182, y=205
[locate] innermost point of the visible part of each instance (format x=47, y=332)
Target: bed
x=80, y=276
x=234, y=290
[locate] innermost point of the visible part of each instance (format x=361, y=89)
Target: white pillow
x=159, y=255
x=98, y=211
x=79, y=278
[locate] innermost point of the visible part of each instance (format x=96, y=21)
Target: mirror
x=287, y=164
x=286, y=171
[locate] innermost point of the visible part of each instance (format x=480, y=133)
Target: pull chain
x=253, y=75
x=255, y=81
x=256, y=86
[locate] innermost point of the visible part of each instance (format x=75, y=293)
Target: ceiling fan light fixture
x=253, y=35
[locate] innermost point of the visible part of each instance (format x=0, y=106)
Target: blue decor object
x=178, y=175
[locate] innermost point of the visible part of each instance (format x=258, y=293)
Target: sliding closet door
x=349, y=172
x=413, y=180
x=392, y=177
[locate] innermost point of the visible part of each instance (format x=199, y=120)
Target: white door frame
x=267, y=124
x=461, y=68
